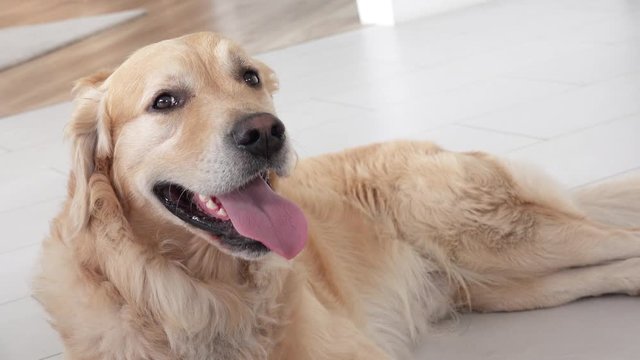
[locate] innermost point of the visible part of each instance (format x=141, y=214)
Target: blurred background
x=555, y=83
x=52, y=43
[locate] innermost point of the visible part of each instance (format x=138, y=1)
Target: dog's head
x=187, y=131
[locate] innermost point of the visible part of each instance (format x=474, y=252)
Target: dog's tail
x=614, y=202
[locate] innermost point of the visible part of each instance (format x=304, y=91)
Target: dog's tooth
x=210, y=204
x=202, y=198
x=221, y=212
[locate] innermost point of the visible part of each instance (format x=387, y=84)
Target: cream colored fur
x=401, y=234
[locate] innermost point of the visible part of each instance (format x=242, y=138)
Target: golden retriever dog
x=191, y=230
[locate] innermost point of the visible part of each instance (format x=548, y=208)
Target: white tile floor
x=553, y=82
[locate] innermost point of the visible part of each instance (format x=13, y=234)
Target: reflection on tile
x=15, y=273
x=34, y=127
x=46, y=156
x=587, y=67
x=313, y=113
x=27, y=225
x=588, y=155
x=571, y=111
x=462, y=138
x=31, y=189
x=25, y=333
x=402, y=99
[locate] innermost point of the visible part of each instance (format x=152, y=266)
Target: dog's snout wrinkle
x=260, y=134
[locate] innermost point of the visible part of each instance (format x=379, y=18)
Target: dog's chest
x=414, y=294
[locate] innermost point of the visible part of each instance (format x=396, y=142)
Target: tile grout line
x=50, y=356
x=4, y=252
x=583, y=129
x=505, y=154
x=457, y=121
x=621, y=173
x=332, y=102
x=59, y=198
x=14, y=300
x=58, y=171
x=475, y=127
x=463, y=119
x=567, y=91
x=578, y=85
x=559, y=82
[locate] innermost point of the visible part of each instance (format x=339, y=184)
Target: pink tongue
x=260, y=214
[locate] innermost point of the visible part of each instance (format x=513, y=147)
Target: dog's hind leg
x=556, y=242
x=610, y=231
x=575, y=243
x=569, y=255
x=593, y=225
x=620, y=277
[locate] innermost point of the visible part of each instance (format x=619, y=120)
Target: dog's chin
x=183, y=204
x=240, y=252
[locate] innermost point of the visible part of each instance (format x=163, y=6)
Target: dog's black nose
x=260, y=134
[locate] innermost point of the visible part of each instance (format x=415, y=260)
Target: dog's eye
x=166, y=101
x=251, y=78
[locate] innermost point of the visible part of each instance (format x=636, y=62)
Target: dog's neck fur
x=205, y=303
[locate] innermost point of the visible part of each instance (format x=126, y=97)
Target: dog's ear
x=268, y=77
x=90, y=138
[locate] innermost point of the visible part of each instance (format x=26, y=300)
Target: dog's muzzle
x=261, y=134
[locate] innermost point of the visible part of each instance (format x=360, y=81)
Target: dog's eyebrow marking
x=231, y=61
x=221, y=51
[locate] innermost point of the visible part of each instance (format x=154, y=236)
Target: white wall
x=390, y=12
x=378, y=12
